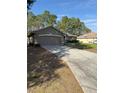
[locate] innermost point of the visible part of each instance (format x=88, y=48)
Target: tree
x=30, y=20
x=40, y=21
x=87, y=30
x=29, y=3
x=68, y=25
x=71, y=25
x=48, y=19
x=63, y=24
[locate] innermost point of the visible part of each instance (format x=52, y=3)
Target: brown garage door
x=49, y=40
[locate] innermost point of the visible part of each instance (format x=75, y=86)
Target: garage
x=48, y=36
x=50, y=40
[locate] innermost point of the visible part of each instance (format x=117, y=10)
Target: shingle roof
x=49, y=27
x=88, y=35
x=68, y=34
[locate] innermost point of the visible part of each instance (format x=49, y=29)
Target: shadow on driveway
x=60, y=51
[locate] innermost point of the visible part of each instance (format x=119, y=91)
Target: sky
x=86, y=10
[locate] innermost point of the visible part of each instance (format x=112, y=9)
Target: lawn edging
x=71, y=69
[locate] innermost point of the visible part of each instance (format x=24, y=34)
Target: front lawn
x=79, y=45
x=90, y=45
x=49, y=74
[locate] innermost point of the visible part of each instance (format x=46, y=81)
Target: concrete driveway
x=82, y=63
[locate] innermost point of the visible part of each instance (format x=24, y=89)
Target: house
x=70, y=37
x=88, y=38
x=48, y=36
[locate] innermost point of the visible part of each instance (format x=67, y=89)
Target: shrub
x=37, y=45
x=72, y=41
x=79, y=45
x=30, y=44
x=87, y=46
x=29, y=34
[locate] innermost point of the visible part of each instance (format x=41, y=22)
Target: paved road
x=82, y=63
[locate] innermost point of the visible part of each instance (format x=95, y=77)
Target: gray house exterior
x=49, y=36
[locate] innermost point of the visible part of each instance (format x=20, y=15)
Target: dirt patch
x=48, y=74
x=92, y=50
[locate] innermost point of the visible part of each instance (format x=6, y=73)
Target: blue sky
x=86, y=10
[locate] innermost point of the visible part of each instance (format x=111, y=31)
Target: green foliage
x=29, y=34
x=30, y=20
x=87, y=30
x=81, y=45
x=72, y=41
x=72, y=25
x=87, y=46
x=93, y=45
x=40, y=21
x=48, y=19
x=29, y=3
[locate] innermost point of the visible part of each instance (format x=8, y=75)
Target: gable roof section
x=70, y=35
x=88, y=36
x=47, y=31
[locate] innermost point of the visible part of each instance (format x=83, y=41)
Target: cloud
x=91, y=23
x=64, y=4
x=85, y=4
x=89, y=20
x=77, y=4
x=91, y=3
x=67, y=3
x=59, y=16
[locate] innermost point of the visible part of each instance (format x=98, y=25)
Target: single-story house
x=88, y=38
x=70, y=37
x=48, y=36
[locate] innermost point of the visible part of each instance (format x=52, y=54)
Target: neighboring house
x=70, y=37
x=88, y=38
x=49, y=36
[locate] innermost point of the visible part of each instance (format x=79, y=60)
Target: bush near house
x=77, y=44
x=72, y=41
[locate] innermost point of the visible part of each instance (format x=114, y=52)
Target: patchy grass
x=79, y=45
x=92, y=50
x=48, y=74
x=87, y=46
